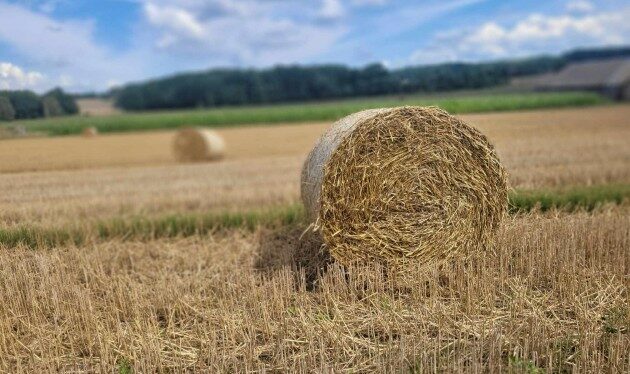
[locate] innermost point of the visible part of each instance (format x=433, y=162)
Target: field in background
x=544, y=151
x=585, y=133
x=97, y=107
x=226, y=117
x=115, y=258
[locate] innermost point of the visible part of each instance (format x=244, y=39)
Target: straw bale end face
x=196, y=144
x=89, y=132
x=404, y=185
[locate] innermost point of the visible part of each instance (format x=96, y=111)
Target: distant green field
x=571, y=198
x=234, y=116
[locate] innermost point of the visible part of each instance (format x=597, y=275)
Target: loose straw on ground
x=196, y=144
x=404, y=185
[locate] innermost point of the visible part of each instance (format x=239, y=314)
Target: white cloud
x=251, y=33
x=46, y=6
x=170, y=35
x=112, y=83
x=380, y=31
x=205, y=9
x=65, y=50
x=177, y=20
x=580, y=6
x=13, y=77
x=331, y=10
x=65, y=80
x=49, y=6
x=535, y=33
x=360, y=3
x=369, y=2
x=604, y=27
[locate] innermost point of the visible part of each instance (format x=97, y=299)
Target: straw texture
x=89, y=132
x=404, y=185
x=196, y=144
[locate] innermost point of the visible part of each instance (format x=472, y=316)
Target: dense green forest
x=222, y=87
x=27, y=104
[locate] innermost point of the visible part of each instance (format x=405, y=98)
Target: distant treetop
x=27, y=104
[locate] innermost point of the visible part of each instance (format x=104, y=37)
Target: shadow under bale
x=296, y=247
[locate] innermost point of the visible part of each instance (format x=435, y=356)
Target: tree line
x=222, y=87
x=23, y=104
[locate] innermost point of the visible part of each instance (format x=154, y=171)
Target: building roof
x=606, y=73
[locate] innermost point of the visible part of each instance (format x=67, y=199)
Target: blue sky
x=84, y=45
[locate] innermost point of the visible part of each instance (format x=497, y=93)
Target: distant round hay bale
x=89, y=132
x=196, y=144
x=403, y=185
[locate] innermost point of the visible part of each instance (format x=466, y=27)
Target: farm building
x=608, y=77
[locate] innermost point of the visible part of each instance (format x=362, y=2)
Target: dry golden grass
x=557, y=148
x=599, y=133
x=149, y=148
x=67, y=196
x=540, y=149
x=553, y=295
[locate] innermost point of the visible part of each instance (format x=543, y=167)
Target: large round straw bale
x=196, y=144
x=89, y=132
x=404, y=184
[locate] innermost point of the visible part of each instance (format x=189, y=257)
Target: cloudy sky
x=84, y=45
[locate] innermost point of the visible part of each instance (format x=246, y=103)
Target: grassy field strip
x=568, y=199
x=585, y=198
x=142, y=228
x=235, y=116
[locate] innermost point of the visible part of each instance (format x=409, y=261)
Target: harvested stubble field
x=164, y=267
x=542, y=134
x=541, y=150
x=553, y=295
